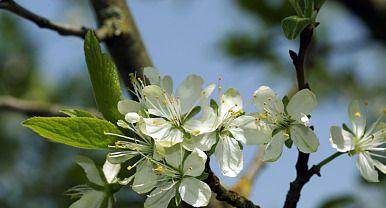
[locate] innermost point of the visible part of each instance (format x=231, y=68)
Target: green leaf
x=192, y=113
x=319, y=4
x=81, y=132
x=77, y=113
x=214, y=105
x=309, y=8
x=203, y=176
x=288, y=143
x=296, y=5
x=104, y=78
x=93, y=174
x=294, y=25
x=91, y=199
x=285, y=101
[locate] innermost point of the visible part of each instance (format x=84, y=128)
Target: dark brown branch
x=125, y=45
x=303, y=174
x=116, y=28
x=30, y=108
x=42, y=22
x=222, y=194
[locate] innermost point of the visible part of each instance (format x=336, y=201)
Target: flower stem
x=328, y=159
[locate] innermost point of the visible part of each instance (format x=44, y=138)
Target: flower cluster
x=368, y=143
x=170, y=135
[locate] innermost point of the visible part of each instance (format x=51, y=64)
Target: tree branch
x=125, y=45
x=303, y=174
x=222, y=194
x=30, y=108
x=116, y=28
x=245, y=184
x=42, y=22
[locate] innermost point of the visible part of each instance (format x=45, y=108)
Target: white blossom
x=368, y=144
x=225, y=127
x=285, y=123
x=165, y=180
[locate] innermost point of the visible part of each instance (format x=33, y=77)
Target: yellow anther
x=357, y=114
x=160, y=169
x=384, y=111
x=196, y=132
x=263, y=116
x=129, y=167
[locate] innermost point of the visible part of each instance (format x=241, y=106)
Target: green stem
x=328, y=159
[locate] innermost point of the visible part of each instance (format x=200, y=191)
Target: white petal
x=264, y=134
x=194, y=164
x=304, y=138
x=357, y=117
x=128, y=106
x=366, y=167
x=195, y=192
x=230, y=101
x=244, y=129
x=262, y=96
x=203, y=142
x=302, y=103
x=340, y=139
x=167, y=84
x=160, y=197
x=145, y=179
x=157, y=128
x=152, y=74
x=229, y=156
x=155, y=101
x=111, y=171
x=189, y=91
x=207, y=123
x=174, y=136
x=380, y=166
x=274, y=148
x=205, y=93
x=374, y=126
x=132, y=117
x=92, y=199
x=174, y=156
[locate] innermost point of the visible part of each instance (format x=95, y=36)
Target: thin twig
x=222, y=194
x=30, y=108
x=303, y=174
x=43, y=22
x=245, y=184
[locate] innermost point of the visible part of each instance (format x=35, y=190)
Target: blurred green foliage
x=327, y=80
x=35, y=173
x=267, y=43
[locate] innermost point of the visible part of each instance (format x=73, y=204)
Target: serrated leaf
x=294, y=25
x=77, y=113
x=81, y=132
x=104, y=78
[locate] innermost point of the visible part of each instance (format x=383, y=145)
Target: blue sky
x=183, y=38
